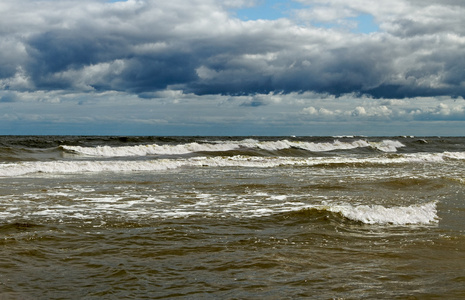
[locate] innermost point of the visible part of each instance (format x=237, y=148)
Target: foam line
x=220, y=146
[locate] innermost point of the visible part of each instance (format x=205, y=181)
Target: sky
x=232, y=67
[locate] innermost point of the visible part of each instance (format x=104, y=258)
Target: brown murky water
x=232, y=218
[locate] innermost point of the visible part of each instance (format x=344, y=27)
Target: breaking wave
x=378, y=214
x=223, y=146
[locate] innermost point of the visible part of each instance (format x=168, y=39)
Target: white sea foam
x=79, y=166
x=144, y=150
x=387, y=145
x=73, y=167
x=455, y=155
x=324, y=147
x=90, y=206
x=377, y=214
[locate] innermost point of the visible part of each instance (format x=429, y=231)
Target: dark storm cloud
x=146, y=46
x=60, y=50
x=55, y=53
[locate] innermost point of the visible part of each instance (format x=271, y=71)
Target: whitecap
x=222, y=146
x=378, y=214
x=387, y=145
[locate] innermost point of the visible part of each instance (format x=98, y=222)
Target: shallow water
x=232, y=218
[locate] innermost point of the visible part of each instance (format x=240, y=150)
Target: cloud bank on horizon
x=297, y=59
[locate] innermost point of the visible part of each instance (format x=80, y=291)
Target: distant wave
x=73, y=167
x=223, y=146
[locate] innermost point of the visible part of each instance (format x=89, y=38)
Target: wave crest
x=378, y=214
x=221, y=146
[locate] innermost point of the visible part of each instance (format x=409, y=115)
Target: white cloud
x=88, y=77
x=406, y=17
x=272, y=113
x=359, y=111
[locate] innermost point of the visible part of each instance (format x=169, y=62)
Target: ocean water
x=232, y=217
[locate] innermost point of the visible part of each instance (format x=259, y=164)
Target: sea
x=341, y=217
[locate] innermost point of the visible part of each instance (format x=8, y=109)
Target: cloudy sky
x=232, y=67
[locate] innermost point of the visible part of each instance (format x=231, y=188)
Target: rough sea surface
x=232, y=217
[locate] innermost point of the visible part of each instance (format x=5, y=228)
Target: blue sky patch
x=276, y=9
x=267, y=10
x=366, y=24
